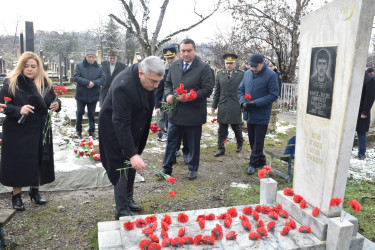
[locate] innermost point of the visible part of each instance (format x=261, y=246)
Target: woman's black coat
x=367, y=99
x=21, y=151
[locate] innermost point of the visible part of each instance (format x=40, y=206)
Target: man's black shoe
x=250, y=170
x=220, y=153
x=134, y=207
x=186, y=159
x=239, y=148
x=122, y=214
x=164, y=171
x=93, y=135
x=192, y=175
x=78, y=135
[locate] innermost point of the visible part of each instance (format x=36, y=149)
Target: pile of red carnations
x=85, y=149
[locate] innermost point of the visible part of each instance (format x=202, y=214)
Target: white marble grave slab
x=325, y=131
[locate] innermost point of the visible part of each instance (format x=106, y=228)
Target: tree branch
x=155, y=35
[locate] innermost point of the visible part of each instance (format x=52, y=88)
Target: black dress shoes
x=122, y=214
x=17, y=202
x=186, y=159
x=192, y=175
x=93, y=135
x=250, y=170
x=165, y=172
x=239, y=148
x=134, y=207
x=78, y=135
x=220, y=152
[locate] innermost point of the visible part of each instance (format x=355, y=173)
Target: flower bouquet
x=85, y=149
x=59, y=90
x=179, y=92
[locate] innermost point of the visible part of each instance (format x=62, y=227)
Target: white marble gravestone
x=328, y=97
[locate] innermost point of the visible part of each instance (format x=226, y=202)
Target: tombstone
x=327, y=115
x=60, y=70
x=22, y=45
x=29, y=41
x=72, y=71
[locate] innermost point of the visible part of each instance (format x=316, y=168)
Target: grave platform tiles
x=108, y=232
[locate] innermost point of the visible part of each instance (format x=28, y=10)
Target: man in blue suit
x=263, y=86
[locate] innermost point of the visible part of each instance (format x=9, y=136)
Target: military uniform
x=229, y=109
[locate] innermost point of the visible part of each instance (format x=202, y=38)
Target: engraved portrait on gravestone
x=322, y=75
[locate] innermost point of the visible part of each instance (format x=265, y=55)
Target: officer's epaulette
x=221, y=70
x=241, y=70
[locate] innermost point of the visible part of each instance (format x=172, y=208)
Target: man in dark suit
x=189, y=116
x=225, y=98
x=124, y=123
x=111, y=67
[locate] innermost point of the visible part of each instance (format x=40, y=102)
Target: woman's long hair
x=39, y=78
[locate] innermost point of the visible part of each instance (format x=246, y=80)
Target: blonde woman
x=25, y=159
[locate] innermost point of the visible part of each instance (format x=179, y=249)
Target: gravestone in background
x=29, y=40
x=334, y=42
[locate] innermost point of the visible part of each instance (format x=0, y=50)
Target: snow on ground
x=65, y=159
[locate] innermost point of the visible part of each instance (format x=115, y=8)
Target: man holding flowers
x=189, y=114
x=124, y=123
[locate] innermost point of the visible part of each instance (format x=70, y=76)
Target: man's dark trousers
x=124, y=189
x=192, y=136
x=90, y=114
x=257, y=134
x=223, y=134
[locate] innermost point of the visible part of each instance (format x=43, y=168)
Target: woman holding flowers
x=25, y=159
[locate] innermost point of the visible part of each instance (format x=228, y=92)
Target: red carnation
x=192, y=95
x=154, y=246
x=167, y=242
x=315, y=211
x=243, y=217
x=255, y=215
x=355, y=205
x=284, y=214
x=262, y=173
x=198, y=239
x=302, y=204
x=147, y=231
x=271, y=225
x=217, y=232
x=231, y=235
x=178, y=242
x=210, y=217
x=188, y=240
x=268, y=168
x=139, y=223
x=247, y=96
x=129, y=225
x=254, y=236
x=202, y=223
x=167, y=219
x=181, y=231
x=208, y=240
x=164, y=226
x=262, y=231
x=227, y=223
x=246, y=225
x=291, y=223
x=222, y=216
x=144, y=244
x=285, y=230
x=304, y=229
x=171, y=193
x=232, y=212
x=288, y=191
x=273, y=215
x=182, y=218
x=7, y=99
x=265, y=209
x=201, y=216
x=225, y=141
x=297, y=198
x=171, y=179
x=153, y=238
x=258, y=208
x=150, y=219
x=260, y=223
x=164, y=234
x=247, y=210
x=335, y=202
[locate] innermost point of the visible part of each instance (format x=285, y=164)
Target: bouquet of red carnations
x=179, y=92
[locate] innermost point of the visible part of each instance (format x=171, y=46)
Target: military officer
x=225, y=99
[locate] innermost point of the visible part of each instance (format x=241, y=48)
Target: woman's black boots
x=34, y=195
x=17, y=202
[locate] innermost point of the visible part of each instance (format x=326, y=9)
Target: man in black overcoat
x=189, y=116
x=124, y=123
x=111, y=67
x=363, y=121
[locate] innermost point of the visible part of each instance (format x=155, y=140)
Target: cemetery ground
x=69, y=219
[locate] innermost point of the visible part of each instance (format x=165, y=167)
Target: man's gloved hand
x=248, y=105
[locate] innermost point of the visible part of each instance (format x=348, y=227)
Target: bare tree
x=271, y=27
x=140, y=30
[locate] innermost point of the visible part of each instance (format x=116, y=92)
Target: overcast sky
x=82, y=15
